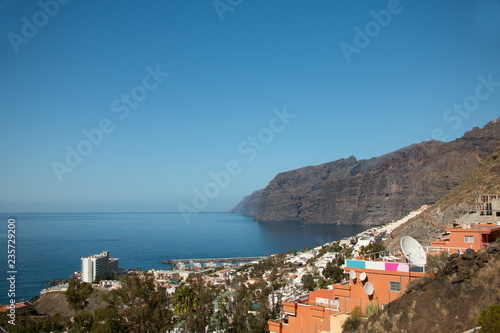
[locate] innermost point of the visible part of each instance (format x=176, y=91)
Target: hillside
x=430, y=224
x=374, y=191
x=450, y=302
x=55, y=302
x=249, y=205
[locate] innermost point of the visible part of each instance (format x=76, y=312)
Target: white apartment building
x=98, y=264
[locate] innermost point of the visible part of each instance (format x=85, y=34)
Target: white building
x=98, y=264
x=486, y=210
x=112, y=265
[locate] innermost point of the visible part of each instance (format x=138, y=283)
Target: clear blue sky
x=229, y=65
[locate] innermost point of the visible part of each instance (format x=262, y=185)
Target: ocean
x=49, y=246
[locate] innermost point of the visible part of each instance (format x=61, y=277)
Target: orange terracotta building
x=386, y=278
x=478, y=228
x=474, y=237
x=379, y=281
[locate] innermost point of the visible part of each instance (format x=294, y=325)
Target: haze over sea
x=49, y=245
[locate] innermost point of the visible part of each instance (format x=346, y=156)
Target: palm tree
x=185, y=302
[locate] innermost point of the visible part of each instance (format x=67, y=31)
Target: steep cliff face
x=249, y=205
x=379, y=190
x=430, y=224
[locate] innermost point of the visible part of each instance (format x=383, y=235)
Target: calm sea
x=49, y=246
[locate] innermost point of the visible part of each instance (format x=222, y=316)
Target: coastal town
x=221, y=271
x=311, y=290
x=233, y=166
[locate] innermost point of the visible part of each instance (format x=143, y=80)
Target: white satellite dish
x=413, y=251
x=368, y=288
x=362, y=276
x=352, y=274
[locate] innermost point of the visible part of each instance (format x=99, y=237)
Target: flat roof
x=486, y=227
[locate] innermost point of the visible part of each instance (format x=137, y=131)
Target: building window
x=469, y=239
x=395, y=286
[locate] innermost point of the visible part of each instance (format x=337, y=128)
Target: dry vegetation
x=55, y=302
x=431, y=223
x=450, y=302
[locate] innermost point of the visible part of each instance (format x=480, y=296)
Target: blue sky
x=253, y=88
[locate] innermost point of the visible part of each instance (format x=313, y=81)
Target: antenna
x=362, y=276
x=352, y=274
x=368, y=288
x=413, y=251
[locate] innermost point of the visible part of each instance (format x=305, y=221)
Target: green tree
x=82, y=322
x=185, y=303
x=333, y=272
x=308, y=282
x=108, y=320
x=221, y=314
x=204, y=293
x=239, y=311
x=489, y=319
x=261, y=309
x=323, y=284
x=335, y=247
x=372, y=248
x=77, y=294
x=144, y=306
x=24, y=324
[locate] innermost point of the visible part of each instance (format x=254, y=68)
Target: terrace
x=385, y=261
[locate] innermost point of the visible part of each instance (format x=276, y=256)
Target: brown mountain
x=430, y=224
x=374, y=191
x=450, y=302
x=249, y=205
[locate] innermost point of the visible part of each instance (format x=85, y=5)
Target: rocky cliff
x=378, y=190
x=430, y=224
x=249, y=205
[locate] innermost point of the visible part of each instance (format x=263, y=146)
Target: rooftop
x=481, y=227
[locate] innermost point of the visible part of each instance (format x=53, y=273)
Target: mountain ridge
x=430, y=224
x=376, y=190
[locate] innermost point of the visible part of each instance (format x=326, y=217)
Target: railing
x=384, y=255
x=449, y=250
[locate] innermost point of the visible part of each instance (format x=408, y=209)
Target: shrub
x=372, y=308
x=335, y=247
x=436, y=262
x=353, y=322
x=489, y=319
x=372, y=248
x=417, y=284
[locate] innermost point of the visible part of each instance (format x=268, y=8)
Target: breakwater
x=178, y=263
